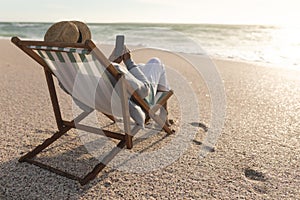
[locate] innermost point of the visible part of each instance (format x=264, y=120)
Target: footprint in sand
x=254, y=175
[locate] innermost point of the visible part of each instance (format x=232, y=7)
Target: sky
x=153, y=11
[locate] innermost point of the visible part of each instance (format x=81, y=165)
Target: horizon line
x=183, y=23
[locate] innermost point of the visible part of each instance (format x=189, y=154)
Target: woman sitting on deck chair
x=147, y=79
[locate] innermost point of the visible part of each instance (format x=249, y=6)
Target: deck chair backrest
x=82, y=75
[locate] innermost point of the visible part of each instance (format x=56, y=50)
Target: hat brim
x=84, y=31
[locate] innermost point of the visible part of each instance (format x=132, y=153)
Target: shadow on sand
x=21, y=180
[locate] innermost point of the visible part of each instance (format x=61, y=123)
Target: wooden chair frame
x=64, y=126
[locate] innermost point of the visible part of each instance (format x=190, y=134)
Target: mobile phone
x=119, y=45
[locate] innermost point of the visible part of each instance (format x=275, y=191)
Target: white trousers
x=155, y=72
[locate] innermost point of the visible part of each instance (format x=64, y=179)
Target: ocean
x=276, y=45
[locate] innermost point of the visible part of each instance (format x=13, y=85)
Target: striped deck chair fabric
x=83, y=77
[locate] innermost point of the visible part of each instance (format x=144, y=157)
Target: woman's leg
x=155, y=72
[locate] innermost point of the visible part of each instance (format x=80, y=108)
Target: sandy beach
x=257, y=155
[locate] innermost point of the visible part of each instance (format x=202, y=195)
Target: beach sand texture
x=257, y=155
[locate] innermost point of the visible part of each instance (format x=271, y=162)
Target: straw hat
x=68, y=31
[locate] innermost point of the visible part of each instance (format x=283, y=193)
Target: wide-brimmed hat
x=68, y=31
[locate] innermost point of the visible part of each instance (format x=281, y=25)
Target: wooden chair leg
x=99, y=167
x=125, y=112
x=110, y=117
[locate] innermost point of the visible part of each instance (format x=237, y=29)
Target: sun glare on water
x=285, y=45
